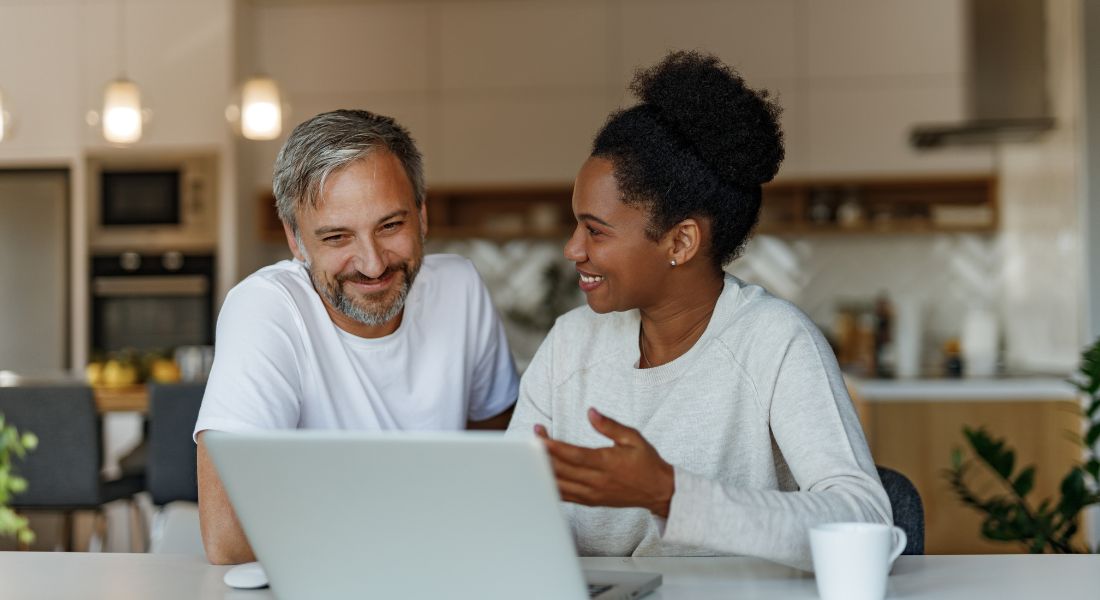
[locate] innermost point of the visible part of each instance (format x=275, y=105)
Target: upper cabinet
x=42, y=95
x=512, y=93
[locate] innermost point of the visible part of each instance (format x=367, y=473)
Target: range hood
x=1006, y=78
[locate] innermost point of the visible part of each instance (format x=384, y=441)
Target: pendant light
x=261, y=109
x=122, y=114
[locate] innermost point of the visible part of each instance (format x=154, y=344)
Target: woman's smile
x=588, y=281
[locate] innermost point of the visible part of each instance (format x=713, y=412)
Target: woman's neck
x=671, y=328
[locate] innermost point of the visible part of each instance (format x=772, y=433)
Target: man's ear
x=684, y=240
x=424, y=218
x=292, y=241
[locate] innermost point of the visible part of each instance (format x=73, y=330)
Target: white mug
x=852, y=560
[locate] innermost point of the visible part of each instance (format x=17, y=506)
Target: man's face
x=363, y=244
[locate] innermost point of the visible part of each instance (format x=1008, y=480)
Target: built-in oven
x=151, y=302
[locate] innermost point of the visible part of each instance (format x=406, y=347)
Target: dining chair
x=170, y=469
x=63, y=472
x=907, y=507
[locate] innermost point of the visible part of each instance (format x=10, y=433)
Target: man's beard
x=374, y=309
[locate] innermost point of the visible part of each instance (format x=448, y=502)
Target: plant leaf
x=1024, y=482
x=1092, y=435
x=1092, y=467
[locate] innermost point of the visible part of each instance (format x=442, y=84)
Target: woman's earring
x=672, y=262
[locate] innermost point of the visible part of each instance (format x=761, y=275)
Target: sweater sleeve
x=817, y=434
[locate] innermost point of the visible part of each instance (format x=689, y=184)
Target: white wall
x=499, y=91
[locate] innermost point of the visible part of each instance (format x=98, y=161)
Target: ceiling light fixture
x=122, y=113
x=261, y=109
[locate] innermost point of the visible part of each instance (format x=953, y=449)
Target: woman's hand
x=628, y=474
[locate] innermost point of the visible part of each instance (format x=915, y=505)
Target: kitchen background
x=505, y=95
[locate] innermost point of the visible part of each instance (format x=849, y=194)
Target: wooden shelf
x=825, y=206
x=884, y=205
x=501, y=213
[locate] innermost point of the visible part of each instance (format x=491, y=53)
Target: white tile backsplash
x=944, y=274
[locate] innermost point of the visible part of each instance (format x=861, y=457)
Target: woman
x=687, y=412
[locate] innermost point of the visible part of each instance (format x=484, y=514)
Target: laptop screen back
x=391, y=515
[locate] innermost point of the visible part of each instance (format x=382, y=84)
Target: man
x=361, y=330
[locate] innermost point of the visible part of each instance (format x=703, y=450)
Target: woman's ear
x=684, y=240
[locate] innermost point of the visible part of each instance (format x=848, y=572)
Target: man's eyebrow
x=397, y=213
x=327, y=229
x=589, y=217
x=320, y=231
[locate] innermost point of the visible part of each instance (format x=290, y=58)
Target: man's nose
x=368, y=258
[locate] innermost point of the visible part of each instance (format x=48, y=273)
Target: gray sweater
x=755, y=418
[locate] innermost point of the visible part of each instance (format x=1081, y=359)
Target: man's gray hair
x=329, y=142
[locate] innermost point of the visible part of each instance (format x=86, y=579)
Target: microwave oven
x=153, y=202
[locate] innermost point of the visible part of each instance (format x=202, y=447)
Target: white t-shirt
x=281, y=363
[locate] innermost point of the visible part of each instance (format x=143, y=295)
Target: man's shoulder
x=448, y=279
x=279, y=287
x=285, y=274
x=449, y=267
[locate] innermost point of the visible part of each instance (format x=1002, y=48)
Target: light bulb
x=261, y=112
x=122, y=112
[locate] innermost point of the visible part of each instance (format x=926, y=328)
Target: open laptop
x=407, y=515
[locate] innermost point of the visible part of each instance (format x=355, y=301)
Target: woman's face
x=619, y=267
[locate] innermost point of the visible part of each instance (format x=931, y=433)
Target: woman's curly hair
x=700, y=144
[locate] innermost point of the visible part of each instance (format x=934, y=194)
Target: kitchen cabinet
x=913, y=427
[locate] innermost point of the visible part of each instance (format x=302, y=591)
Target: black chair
x=173, y=410
x=907, y=508
x=170, y=471
x=63, y=472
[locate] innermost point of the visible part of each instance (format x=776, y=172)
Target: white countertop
x=977, y=389
x=57, y=575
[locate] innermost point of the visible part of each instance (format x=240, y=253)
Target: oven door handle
x=150, y=285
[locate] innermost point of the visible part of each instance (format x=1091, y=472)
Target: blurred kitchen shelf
x=501, y=213
x=826, y=206
x=853, y=206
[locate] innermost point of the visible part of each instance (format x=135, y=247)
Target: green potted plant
x=13, y=443
x=1010, y=515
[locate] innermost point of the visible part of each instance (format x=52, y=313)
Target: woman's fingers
x=614, y=430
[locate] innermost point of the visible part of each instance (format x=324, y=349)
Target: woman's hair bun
x=732, y=128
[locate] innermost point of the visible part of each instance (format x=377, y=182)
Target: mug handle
x=899, y=547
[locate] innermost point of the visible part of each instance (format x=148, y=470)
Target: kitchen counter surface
x=977, y=389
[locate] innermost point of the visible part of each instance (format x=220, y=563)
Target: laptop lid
x=392, y=515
